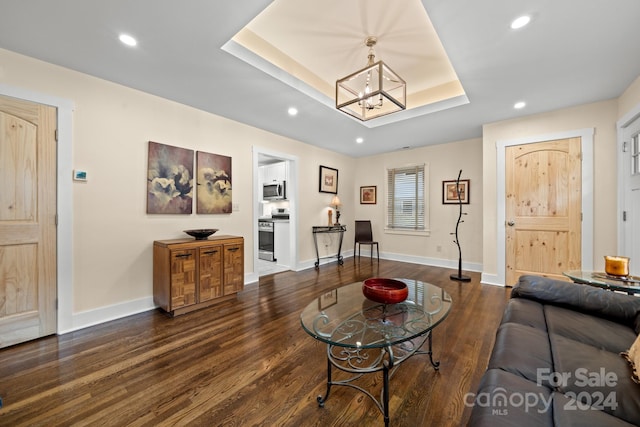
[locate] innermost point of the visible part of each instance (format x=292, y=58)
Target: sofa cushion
x=598, y=332
x=505, y=399
x=525, y=312
x=595, y=377
x=521, y=350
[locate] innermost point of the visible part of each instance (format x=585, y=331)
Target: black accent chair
x=364, y=236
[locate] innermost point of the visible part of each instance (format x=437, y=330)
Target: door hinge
x=624, y=146
x=624, y=215
x=55, y=218
x=55, y=134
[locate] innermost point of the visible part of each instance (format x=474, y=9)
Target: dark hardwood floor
x=246, y=362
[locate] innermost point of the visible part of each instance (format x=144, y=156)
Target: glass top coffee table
x=364, y=336
x=628, y=284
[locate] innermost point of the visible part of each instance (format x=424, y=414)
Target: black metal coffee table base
x=361, y=361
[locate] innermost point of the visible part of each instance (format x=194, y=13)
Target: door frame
x=586, y=140
x=64, y=259
x=621, y=124
x=292, y=191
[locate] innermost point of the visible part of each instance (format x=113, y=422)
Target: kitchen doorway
x=275, y=201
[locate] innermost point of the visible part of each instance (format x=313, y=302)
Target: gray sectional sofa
x=557, y=359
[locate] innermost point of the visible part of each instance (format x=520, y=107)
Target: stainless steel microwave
x=276, y=190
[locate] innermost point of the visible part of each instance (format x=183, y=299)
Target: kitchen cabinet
x=191, y=274
x=273, y=172
x=281, y=245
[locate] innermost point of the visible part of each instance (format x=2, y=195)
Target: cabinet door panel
x=183, y=278
x=210, y=272
x=233, y=268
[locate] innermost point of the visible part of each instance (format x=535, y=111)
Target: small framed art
x=368, y=195
x=328, y=180
x=452, y=197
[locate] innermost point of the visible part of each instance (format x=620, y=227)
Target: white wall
x=445, y=162
x=602, y=117
x=630, y=99
x=112, y=235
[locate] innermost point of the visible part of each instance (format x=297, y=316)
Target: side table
x=628, y=284
x=340, y=229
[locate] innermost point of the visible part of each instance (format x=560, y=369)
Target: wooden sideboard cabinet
x=191, y=274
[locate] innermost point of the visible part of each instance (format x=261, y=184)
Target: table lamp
x=335, y=202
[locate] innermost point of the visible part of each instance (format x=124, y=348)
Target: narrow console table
x=340, y=229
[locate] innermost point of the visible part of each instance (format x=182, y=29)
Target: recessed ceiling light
x=520, y=22
x=359, y=140
x=128, y=40
x=519, y=105
x=292, y=111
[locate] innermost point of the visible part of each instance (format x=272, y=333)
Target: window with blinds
x=406, y=198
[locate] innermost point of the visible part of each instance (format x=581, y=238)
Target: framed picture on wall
x=328, y=180
x=368, y=195
x=450, y=195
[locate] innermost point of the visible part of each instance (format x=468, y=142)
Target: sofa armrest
x=617, y=307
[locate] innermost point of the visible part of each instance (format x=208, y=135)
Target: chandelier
x=373, y=91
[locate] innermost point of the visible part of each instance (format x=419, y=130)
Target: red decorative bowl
x=385, y=291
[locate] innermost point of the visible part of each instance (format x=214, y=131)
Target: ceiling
x=573, y=52
x=313, y=60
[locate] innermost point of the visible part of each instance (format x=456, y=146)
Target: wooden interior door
x=543, y=208
x=28, y=286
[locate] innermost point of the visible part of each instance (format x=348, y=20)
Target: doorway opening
x=275, y=199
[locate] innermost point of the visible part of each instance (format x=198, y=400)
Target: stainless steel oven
x=265, y=240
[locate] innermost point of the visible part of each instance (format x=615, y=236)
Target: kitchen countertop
x=269, y=219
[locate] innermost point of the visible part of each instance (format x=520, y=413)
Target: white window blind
x=406, y=198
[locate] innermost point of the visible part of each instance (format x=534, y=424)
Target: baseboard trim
x=84, y=319
x=490, y=279
x=435, y=262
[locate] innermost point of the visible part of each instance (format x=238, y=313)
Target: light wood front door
x=543, y=209
x=27, y=221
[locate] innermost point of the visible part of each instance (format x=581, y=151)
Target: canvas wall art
x=169, y=179
x=213, y=194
